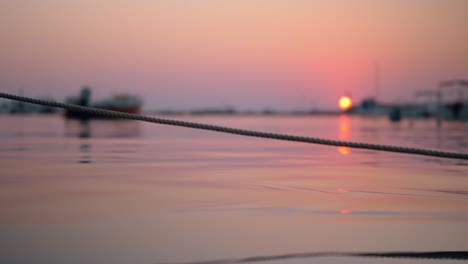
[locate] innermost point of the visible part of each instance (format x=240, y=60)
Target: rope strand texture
x=436, y=255
x=250, y=133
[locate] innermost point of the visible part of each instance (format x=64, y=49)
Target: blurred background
x=249, y=55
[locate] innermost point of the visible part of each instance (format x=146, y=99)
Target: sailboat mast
x=376, y=79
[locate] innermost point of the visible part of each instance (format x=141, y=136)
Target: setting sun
x=345, y=103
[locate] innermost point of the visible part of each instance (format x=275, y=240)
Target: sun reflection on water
x=344, y=133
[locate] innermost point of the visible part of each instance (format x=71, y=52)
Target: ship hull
x=85, y=116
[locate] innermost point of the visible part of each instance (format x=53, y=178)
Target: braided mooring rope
x=243, y=132
x=433, y=255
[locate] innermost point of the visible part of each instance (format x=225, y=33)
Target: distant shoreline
x=244, y=113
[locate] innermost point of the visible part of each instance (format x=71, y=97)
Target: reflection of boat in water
x=102, y=128
x=121, y=103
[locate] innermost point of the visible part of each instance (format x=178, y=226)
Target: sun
x=345, y=103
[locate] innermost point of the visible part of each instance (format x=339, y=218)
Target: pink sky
x=251, y=54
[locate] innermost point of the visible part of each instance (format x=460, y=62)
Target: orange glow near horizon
x=345, y=103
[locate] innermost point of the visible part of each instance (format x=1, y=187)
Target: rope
x=435, y=255
x=250, y=133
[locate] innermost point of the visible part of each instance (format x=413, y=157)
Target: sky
x=248, y=54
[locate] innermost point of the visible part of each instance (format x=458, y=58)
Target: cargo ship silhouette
x=121, y=103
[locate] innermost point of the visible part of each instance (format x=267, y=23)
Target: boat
x=121, y=103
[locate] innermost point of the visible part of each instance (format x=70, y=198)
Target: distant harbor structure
x=120, y=103
x=15, y=107
x=443, y=106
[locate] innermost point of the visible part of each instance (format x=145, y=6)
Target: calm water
x=133, y=192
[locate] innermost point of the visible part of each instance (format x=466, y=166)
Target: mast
x=376, y=79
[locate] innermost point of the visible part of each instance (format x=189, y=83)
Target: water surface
x=132, y=192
